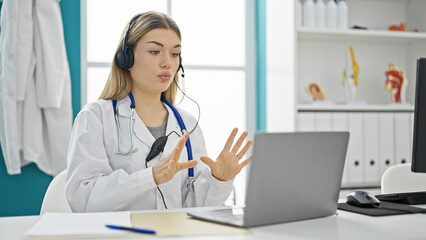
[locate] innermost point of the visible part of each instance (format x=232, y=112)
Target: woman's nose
x=165, y=61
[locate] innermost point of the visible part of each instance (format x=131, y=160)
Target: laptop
x=293, y=176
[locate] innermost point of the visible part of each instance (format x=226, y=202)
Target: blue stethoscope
x=158, y=145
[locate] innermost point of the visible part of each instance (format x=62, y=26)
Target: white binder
x=371, y=149
x=323, y=121
x=355, y=163
x=339, y=122
x=387, y=141
x=306, y=121
x=402, y=137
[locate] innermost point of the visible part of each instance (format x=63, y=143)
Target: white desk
x=344, y=225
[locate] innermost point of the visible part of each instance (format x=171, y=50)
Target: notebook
x=293, y=176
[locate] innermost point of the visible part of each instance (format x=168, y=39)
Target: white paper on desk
x=79, y=224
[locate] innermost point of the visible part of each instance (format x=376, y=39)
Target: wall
x=280, y=39
x=23, y=194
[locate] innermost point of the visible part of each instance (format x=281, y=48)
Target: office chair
x=55, y=200
x=399, y=178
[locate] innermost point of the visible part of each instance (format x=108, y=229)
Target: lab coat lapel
x=140, y=130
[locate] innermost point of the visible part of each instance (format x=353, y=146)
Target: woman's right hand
x=167, y=168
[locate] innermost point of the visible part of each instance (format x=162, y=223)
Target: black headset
x=125, y=57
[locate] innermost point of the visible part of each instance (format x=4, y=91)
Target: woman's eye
x=154, y=52
x=175, y=54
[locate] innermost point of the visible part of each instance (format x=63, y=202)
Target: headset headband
x=128, y=30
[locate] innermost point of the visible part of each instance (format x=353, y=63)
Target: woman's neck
x=149, y=108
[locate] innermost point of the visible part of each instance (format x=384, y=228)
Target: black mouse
x=362, y=199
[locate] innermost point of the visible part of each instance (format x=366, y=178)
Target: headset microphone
x=181, y=66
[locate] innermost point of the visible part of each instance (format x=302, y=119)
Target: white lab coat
x=35, y=87
x=100, y=180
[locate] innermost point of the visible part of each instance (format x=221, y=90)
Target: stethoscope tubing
x=182, y=128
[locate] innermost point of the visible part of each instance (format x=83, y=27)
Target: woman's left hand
x=228, y=165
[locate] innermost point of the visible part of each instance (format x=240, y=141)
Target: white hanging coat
x=35, y=88
x=100, y=180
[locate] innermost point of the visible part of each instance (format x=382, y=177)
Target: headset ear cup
x=121, y=59
x=124, y=59
x=130, y=59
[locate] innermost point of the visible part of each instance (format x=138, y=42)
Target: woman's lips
x=164, y=76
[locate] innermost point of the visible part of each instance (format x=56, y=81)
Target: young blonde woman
x=132, y=149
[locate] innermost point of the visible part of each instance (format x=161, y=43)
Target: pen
x=138, y=230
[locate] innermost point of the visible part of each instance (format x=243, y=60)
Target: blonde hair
x=119, y=81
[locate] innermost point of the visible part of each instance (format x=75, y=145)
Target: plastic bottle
x=320, y=14
x=342, y=14
x=331, y=16
x=299, y=14
x=309, y=13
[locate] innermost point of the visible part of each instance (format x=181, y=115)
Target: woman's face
x=156, y=61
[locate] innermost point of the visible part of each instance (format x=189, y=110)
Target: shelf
x=315, y=33
x=330, y=107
